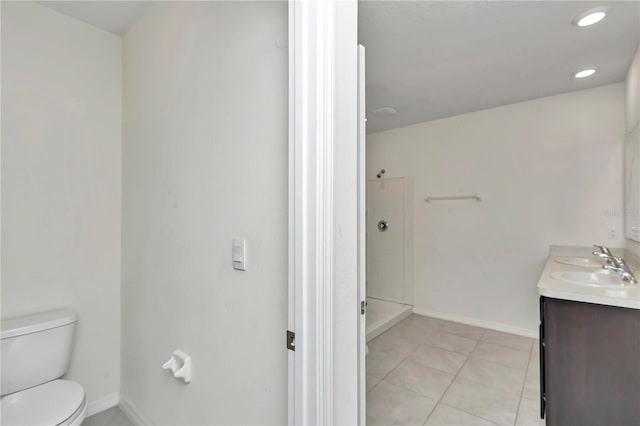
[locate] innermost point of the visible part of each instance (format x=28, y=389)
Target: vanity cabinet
x=589, y=364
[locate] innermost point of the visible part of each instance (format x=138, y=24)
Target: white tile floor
x=426, y=371
x=111, y=417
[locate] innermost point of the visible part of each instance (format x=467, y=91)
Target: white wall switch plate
x=240, y=254
x=612, y=233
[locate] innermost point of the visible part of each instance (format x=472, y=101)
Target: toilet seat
x=56, y=403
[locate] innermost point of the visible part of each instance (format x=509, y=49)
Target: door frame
x=362, y=239
x=323, y=189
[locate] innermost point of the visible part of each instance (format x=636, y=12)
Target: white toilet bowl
x=56, y=403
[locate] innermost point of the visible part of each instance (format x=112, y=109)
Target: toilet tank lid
x=18, y=326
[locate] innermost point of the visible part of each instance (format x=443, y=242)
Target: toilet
x=36, y=352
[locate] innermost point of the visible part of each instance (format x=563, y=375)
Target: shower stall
x=389, y=240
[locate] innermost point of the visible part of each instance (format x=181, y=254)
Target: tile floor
x=426, y=371
x=111, y=417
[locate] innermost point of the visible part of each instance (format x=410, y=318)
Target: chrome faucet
x=605, y=253
x=621, y=267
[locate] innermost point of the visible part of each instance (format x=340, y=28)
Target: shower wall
x=390, y=239
x=205, y=161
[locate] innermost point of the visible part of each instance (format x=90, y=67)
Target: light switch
x=240, y=255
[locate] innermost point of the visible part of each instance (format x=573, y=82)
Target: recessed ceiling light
x=591, y=16
x=585, y=73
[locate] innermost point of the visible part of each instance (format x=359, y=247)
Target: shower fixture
x=379, y=175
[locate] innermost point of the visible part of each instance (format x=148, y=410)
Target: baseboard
x=478, y=322
x=101, y=404
x=387, y=325
x=131, y=411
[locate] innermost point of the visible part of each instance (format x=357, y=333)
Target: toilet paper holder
x=180, y=365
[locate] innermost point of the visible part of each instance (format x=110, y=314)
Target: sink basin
x=580, y=261
x=593, y=279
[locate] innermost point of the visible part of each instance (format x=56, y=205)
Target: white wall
x=632, y=109
x=551, y=173
x=205, y=161
x=61, y=166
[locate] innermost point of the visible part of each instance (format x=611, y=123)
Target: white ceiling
x=434, y=59
x=113, y=16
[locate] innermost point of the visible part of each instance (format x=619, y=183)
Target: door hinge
x=363, y=307
x=291, y=340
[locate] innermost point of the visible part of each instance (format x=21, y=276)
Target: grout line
x=452, y=380
x=390, y=371
x=462, y=366
x=492, y=422
x=526, y=371
x=404, y=357
x=502, y=363
x=449, y=334
x=439, y=329
x=507, y=346
x=484, y=332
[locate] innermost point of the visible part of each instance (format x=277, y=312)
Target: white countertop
x=625, y=296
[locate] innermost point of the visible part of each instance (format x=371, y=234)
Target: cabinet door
x=592, y=364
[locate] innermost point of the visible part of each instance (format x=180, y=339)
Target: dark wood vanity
x=589, y=364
